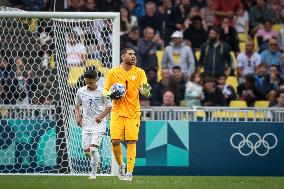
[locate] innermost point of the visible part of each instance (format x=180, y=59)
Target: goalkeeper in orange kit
x=125, y=114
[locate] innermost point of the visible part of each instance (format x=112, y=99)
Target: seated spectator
x=179, y=79
x=260, y=74
x=130, y=40
x=152, y=77
x=224, y=9
x=127, y=21
x=271, y=83
x=248, y=4
x=280, y=99
x=75, y=6
x=228, y=91
x=282, y=67
x=108, y=5
x=168, y=98
x=248, y=92
x=157, y=90
x=241, y=22
x=136, y=7
x=230, y=35
x=265, y=32
x=178, y=53
x=196, y=34
x=213, y=95
x=194, y=91
x=275, y=7
x=90, y=6
x=247, y=61
x=147, y=49
x=207, y=13
x=272, y=56
x=75, y=50
x=215, y=54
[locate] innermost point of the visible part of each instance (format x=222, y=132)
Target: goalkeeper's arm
x=145, y=89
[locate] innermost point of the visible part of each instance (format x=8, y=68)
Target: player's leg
x=86, y=140
x=131, y=136
x=95, y=157
x=117, y=134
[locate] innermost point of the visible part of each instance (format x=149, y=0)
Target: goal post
x=47, y=53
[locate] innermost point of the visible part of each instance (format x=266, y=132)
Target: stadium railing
x=161, y=113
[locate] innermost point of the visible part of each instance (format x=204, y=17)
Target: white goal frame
x=114, y=16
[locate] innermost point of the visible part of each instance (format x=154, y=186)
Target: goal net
x=42, y=60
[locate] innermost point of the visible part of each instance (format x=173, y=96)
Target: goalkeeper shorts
x=124, y=128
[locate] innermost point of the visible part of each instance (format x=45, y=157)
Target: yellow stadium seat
x=238, y=103
x=277, y=27
x=159, y=57
x=261, y=104
x=197, y=55
x=243, y=37
x=98, y=65
x=233, y=81
x=182, y=103
x=74, y=74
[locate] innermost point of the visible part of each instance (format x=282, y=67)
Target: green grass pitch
x=147, y=182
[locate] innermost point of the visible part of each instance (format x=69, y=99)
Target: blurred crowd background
x=194, y=52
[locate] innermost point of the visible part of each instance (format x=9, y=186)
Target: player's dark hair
x=124, y=51
x=91, y=74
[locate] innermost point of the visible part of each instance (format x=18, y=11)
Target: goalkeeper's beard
x=130, y=62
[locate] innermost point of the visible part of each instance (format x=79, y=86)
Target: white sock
x=94, y=159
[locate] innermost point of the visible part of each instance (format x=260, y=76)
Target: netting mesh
x=41, y=66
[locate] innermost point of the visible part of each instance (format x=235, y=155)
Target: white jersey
x=93, y=104
x=248, y=64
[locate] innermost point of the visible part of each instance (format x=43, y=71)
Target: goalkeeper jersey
x=93, y=103
x=128, y=106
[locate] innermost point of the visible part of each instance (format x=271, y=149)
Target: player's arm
x=78, y=102
x=103, y=115
x=107, y=92
x=145, y=88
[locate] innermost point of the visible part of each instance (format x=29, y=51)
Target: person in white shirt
x=75, y=50
x=93, y=122
x=247, y=60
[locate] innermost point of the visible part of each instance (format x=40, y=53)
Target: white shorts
x=89, y=138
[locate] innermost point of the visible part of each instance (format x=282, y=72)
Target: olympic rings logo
x=253, y=145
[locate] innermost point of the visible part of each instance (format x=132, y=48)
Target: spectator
x=242, y=20
x=207, y=13
x=194, y=91
x=157, y=90
x=163, y=12
x=215, y=54
x=136, y=7
x=5, y=68
x=168, y=98
x=152, y=78
x=213, y=95
x=230, y=35
x=260, y=74
x=196, y=34
x=275, y=7
x=198, y=3
x=127, y=21
x=248, y=92
x=271, y=83
x=272, y=56
x=75, y=50
x=108, y=5
x=257, y=15
x=148, y=47
x=248, y=4
x=224, y=9
x=280, y=38
x=151, y=19
x=228, y=91
x=90, y=6
x=247, y=61
x=282, y=67
x=265, y=32
x=75, y=6
x=130, y=40
x=177, y=17
x=178, y=53
x=179, y=79
x=280, y=99
x=29, y=5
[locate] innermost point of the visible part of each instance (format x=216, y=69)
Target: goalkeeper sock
x=117, y=154
x=94, y=159
x=131, y=155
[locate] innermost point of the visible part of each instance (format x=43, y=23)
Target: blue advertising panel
x=236, y=148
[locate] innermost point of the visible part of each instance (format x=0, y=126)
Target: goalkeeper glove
x=145, y=89
x=113, y=95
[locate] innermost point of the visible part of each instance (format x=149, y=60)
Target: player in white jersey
x=95, y=108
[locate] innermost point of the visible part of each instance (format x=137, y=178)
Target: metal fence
x=161, y=113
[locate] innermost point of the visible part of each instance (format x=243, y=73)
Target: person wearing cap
x=215, y=54
x=178, y=53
